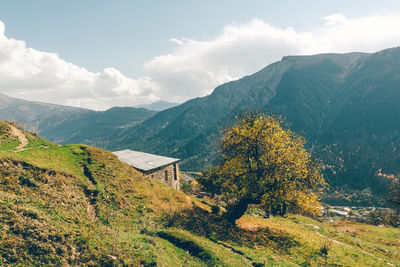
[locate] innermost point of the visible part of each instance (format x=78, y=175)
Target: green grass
x=77, y=198
x=79, y=205
x=7, y=141
x=9, y=145
x=210, y=252
x=36, y=141
x=58, y=158
x=363, y=245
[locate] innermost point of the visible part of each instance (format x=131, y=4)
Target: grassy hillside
x=76, y=204
x=80, y=205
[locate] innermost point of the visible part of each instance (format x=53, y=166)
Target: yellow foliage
x=264, y=163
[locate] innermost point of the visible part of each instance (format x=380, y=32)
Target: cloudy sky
x=99, y=54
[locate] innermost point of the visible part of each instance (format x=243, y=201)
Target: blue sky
x=134, y=52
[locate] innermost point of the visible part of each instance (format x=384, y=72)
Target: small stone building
x=163, y=169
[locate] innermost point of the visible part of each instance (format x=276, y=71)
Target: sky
x=99, y=54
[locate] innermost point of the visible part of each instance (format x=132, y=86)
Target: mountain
x=159, y=105
x=94, y=127
x=346, y=105
x=77, y=205
x=36, y=116
x=193, y=127
x=63, y=124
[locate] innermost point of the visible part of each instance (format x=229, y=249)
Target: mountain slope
x=63, y=124
x=94, y=127
x=36, y=116
x=346, y=105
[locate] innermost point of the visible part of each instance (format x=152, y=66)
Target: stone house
x=162, y=169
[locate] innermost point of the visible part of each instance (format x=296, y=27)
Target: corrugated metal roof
x=143, y=161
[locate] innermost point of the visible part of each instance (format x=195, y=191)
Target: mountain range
x=346, y=105
x=63, y=124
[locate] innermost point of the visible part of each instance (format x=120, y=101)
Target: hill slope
x=79, y=205
x=346, y=105
x=75, y=204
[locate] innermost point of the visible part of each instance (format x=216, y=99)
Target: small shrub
x=186, y=187
x=26, y=181
x=325, y=248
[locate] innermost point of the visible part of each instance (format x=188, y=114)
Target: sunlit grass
x=112, y=214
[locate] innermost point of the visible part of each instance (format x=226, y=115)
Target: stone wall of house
x=167, y=175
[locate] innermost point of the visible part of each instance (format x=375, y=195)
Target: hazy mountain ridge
x=36, y=116
x=94, y=128
x=158, y=105
x=63, y=124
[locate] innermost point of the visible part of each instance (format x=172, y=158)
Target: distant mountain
x=36, y=116
x=64, y=124
x=95, y=127
x=159, y=105
x=346, y=105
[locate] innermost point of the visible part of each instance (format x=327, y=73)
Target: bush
x=186, y=187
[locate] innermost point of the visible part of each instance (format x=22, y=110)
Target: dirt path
x=22, y=138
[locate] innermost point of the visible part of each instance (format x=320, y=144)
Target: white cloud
x=197, y=67
x=335, y=19
x=193, y=69
x=31, y=74
x=366, y=34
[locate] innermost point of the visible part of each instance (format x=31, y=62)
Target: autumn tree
x=263, y=163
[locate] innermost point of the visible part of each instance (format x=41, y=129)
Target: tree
x=262, y=163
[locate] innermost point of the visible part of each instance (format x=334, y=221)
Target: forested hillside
x=346, y=105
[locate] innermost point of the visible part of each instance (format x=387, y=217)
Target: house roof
x=143, y=161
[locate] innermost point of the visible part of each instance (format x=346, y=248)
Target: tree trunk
x=237, y=210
